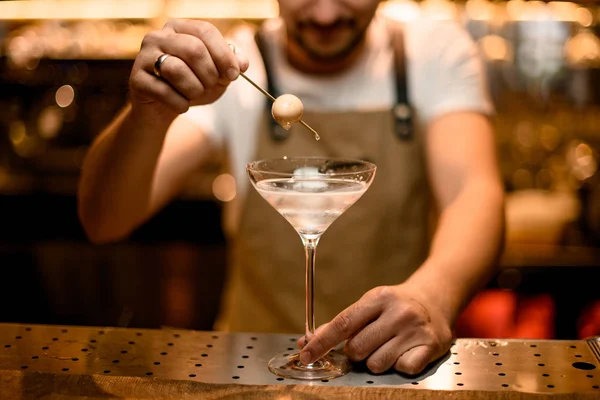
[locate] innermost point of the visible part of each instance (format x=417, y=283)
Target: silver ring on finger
x=159, y=62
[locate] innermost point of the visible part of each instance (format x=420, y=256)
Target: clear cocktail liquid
x=311, y=205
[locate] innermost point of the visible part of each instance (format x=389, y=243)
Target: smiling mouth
x=337, y=26
x=327, y=42
x=325, y=34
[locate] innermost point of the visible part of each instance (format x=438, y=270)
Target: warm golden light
x=479, y=10
x=584, y=16
x=583, y=48
x=582, y=160
x=249, y=9
x=400, y=10
x=17, y=132
x=519, y=10
x=549, y=137
x=78, y=9
x=583, y=155
x=23, y=144
x=50, y=122
x=496, y=48
x=224, y=187
x=562, y=10
x=65, y=96
x=439, y=9
x=525, y=134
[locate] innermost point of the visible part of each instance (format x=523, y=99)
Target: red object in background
x=588, y=323
x=505, y=314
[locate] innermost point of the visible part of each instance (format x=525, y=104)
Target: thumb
x=242, y=62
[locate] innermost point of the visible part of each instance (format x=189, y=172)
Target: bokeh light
x=65, y=96
x=584, y=16
x=522, y=179
x=50, y=122
x=17, y=133
x=549, y=137
x=496, y=48
x=224, y=187
x=400, y=10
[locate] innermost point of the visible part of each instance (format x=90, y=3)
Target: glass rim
x=369, y=166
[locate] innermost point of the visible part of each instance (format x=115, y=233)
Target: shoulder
x=439, y=42
x=445, y=69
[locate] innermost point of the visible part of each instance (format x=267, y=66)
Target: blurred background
x=64, y=66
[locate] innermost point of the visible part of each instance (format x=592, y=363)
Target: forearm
x=116, y=178
x=465, y=248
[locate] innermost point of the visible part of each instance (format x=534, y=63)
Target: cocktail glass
x=310, y=193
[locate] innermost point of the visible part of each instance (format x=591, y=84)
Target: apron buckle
x=403, y=115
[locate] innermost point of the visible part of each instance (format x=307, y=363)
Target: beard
x=332, y=42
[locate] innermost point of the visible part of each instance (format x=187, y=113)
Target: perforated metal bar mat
x=216, y=357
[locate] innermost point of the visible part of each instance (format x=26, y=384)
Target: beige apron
x=380, y=240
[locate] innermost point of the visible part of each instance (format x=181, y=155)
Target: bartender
x=410, y=98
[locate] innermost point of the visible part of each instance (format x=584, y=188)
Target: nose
x=326, y=12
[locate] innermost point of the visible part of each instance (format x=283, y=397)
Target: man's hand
x=390, y=326
x=199, y=68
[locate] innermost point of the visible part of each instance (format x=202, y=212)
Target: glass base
x=331, y=366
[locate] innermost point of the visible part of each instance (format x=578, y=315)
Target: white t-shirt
x=444, y=71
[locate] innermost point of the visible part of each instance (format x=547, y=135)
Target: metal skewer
x=270, y=97
x=263, y=91
x=315, y=134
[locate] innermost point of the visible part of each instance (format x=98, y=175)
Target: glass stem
x=310, y=249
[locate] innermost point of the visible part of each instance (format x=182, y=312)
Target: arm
x=409, y=325
x=468, y=190
x=135, y=167
x=141, y=160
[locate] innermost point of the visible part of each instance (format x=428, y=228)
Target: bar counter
x=67, y=362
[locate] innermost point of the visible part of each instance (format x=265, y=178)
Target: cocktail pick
x=272, y=98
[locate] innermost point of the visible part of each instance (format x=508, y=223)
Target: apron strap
x=402, y=109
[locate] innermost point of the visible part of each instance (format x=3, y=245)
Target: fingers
x=222, y=56
x=365, y=342
x=414, y=360
x=301, y=342
x=176, y=72
x=385, y=356
x=195, y=57
x=404, y=341
x=199, y=68
x=384, y=341
x=340, y=328
x=389, y=328
x=148, y=88
x=409, y=352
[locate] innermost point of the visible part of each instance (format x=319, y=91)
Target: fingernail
x=232, y=74
x=305, y=357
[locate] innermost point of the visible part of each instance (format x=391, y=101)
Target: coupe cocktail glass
x=310, y=193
